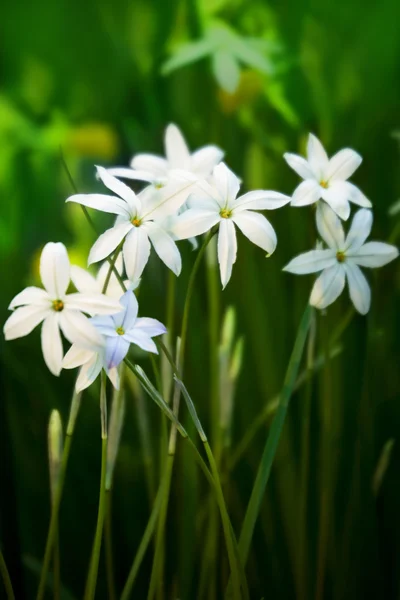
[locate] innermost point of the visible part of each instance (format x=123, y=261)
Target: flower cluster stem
x=6, y=578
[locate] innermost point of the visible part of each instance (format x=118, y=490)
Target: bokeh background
x=101, y=80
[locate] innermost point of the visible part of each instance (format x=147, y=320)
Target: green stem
x=108, y=549
x=6, y=578
x=75, y=405
x=271, y=445
x=90, y=589
x=56, y=567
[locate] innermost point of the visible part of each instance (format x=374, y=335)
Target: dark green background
x=86, y=76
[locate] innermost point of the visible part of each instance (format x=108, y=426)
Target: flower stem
x=53, y=527
x=108, y=549
x=6, y=578
x=94, y=561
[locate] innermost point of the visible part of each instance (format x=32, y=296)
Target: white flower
x=327, y=178
x=222, y=206
x=135, y=223
x=91, y=362
x=57, y=309
x=85, y=282
x=159, y=171
x=342, y=259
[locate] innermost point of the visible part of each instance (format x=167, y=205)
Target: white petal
x=306, y=193
x=330, y=227
x=202, y=202
x=127, y=173
x=343, y=164
x=114, y=288
x=311, y=262
x=168, y=200
x=337, y=196
x=165, y=247
x=108, y=241
x=119, y=188
x=151, y=327
x=226, y=182
x=51, y=343
x=328, y=286
x=83, y=280
x=194, y=222
x=299, y=165
x=150, y=163
x=114, y=377
x=102, y=202
x=205, y=159
x=78, y=329
x=257, y=229
x=317, y=157
x=136, y=252
x=360, y=292
x=76, y=357
x=176, y=149
x=93, y=304
x=356, y=196
x=359, y=230
x=89, y=372
x=227, y=249
x=54, y=269
x=260, y=200
x=31, y=295
x=141, y=339
x=127, y=317
x=24, y=320
x=373, y=254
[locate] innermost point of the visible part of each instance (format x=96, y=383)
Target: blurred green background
x=102, y=80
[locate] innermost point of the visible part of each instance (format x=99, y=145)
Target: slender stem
x=272, y=442
x=75, y=405
x=108, y=549
x=6, y=578
x=90, y=589
x=56, y=567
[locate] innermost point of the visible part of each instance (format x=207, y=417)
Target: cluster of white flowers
x=186, y=195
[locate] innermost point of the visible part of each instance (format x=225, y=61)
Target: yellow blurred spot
x=340, y=256
x=250, y=86
x=94, y=140
x=324, y=184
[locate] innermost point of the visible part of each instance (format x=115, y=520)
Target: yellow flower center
x=136, y=222
x=158, y=185
x=324, y=184
x=120, y=331
x=58, y=305
x=225, y=213
x=341, y=257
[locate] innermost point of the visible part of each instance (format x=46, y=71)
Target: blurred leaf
x=226, y=71
x=187, y=54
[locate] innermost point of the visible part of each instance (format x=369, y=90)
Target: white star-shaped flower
x=342, y=259
x=136, y=223
x=57, y=309
x=91, y=362
x=224, y=207
x=159, y=171
x=327, y=178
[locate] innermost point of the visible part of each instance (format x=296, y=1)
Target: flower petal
x=227, y=249
x=311, y=262
x=359, y=230
x=194, y=221
x=141, y=339
x=317, y=157
x=106, y=324
x=116, y=350
x=176, y=149
x=373, y=254
x=337, y=196
x=127, y=317
x=257, y=229
x=119, y=188
x=165, y=247
x=226, y=182
x=102, y=202
x=360, y=292
x=150, y=163
x=89, y=372
x=108, y=241
x=260, y=200
x=205, y=159
x=328, y=286
x=51, y=343
x=167, y=200
x=150, y=326
x=306, y=193
x=31, y=295
x=127, y=173
x=23, y=320
x=356, y=196
x=93, y=304
x=343, y=164
x=83, y=280
x=76, y=357
x=299, y=165
x=136, y=252
x=78, y=329
x=330, y=227
x=113, y=376
x=55, y=269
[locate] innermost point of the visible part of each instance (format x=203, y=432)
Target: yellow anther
x=120, y=331
x=341, y=257
x=58, y=305
x=136, y=222
x=225, y=213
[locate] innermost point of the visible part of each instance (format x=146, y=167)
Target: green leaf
x=226, y=71
x=186, y=54
x=246, y=53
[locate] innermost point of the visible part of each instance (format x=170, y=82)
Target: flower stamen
x=120, y=331
x=58, y=305
x=225, y=213
x=340, y=256
x=324, y=184
x=136, y=222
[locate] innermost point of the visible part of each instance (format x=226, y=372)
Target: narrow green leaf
x=186, y=54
